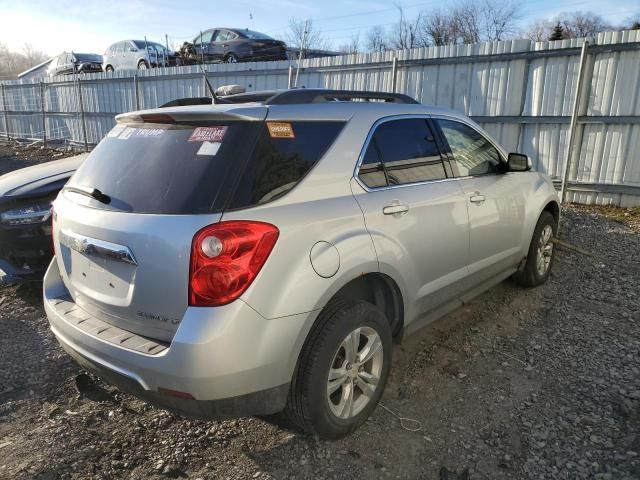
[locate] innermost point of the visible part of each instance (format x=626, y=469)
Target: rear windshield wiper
x=89, y=192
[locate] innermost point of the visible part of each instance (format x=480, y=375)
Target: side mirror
x=519, y=162
x=133, y=49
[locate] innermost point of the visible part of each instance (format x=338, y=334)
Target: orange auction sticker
x=280, y=130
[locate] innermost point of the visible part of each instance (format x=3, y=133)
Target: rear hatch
x=124, y=252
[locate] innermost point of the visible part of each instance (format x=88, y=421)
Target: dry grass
x=628, y=216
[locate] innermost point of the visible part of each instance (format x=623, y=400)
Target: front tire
x=108, y=68
x=143, y=65
x=541, y=253
x=342, y=370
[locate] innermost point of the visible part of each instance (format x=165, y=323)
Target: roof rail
x=318, y=95
x=296, y=96
x=180, y=102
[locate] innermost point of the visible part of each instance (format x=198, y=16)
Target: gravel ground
x=541, y=383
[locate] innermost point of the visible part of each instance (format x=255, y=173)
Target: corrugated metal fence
x=522, y=92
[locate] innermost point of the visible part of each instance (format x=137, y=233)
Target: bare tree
x=13, y=63
x=583, y=24
x=539, y=31
x=376, y=39
x=499, y=18
x=304, y=36
x=467, y=18
x=439, y=28
x=353, y=46
x=406, y=33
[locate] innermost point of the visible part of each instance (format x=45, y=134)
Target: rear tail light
x=225, y=258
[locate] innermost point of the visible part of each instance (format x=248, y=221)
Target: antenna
x=214, y=97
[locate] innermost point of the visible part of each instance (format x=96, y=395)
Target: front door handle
x=477, y=198
x=395, y=209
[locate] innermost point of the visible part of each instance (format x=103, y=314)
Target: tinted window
x=473, y=154
x=181, y=169
x=371, y=170
x=408, y=152
x=205, y=38
x=255, y=35
x=166, y=169
x=223, y=36
x=278, y=164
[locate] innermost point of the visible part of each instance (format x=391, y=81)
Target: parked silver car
x=251, y=258
x=137, y=54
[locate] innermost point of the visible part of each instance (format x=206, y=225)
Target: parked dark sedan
x=25, y=217
x=69, y=63
x=233, y=45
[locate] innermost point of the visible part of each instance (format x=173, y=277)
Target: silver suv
x=261, y=255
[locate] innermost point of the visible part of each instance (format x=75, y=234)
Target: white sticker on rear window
x=208, y=134
x=209, y=148
x=126, y=133
x=115, y=131
x=148, y=132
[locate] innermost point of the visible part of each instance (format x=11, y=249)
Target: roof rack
x=297, y=96
x=318, y=95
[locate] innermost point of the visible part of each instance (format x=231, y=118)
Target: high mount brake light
x=225, y=259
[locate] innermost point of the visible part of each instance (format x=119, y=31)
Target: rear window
x=180, y=169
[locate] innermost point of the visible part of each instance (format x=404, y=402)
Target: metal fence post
x=5, y=109
x=84, y=126
x=204, y=82
x=44, y=116
x=290, y=77
x=574, y=119
x=394, y=74
x=135, y=90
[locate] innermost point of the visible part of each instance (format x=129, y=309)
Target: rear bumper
x=231, y=360
x=264, y=402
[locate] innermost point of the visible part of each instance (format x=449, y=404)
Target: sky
x=92, y=25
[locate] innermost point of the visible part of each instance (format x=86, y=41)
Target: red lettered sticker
x=208, y=134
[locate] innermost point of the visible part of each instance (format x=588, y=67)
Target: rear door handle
x=395, y=209
x=477, y=198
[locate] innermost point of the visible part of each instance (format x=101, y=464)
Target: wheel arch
x=554, y=209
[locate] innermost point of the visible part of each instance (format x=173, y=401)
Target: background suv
x=251, y=258
x=70, y=63
x=137, y=54
x=233, y=45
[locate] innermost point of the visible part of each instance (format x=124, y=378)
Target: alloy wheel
x=544, y=250
x=355, y=372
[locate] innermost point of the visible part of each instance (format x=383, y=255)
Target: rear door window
x=285, y=152
x=400, y=152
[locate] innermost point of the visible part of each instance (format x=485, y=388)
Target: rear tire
x=541, y=253
x=342, y=370
x=231, y=58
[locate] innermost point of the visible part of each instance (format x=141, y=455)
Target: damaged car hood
x=39, y=179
